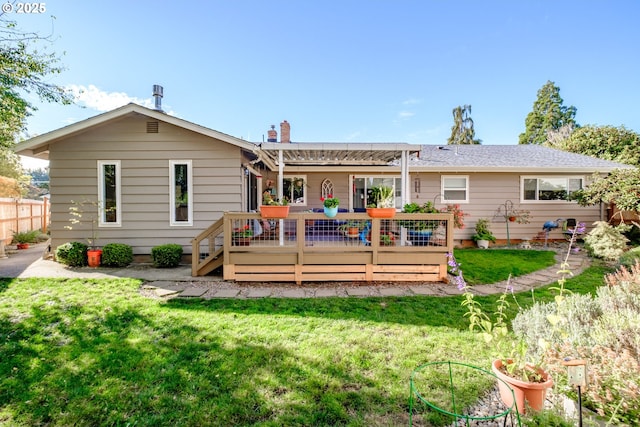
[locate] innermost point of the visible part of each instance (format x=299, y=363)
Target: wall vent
x=152, y=127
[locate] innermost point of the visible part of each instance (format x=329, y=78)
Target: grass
x=95, y=352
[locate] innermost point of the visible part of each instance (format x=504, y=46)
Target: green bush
x=605, y=241
x=630, y=257
x=73, y=254
x=117, y=255
x=166, y=256
x=602, y=329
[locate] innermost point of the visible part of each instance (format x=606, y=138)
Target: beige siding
x=144, y=160
x=487, y=191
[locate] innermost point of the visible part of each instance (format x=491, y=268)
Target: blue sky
x=346, y=71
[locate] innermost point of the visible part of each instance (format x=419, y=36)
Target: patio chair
x=568, y=227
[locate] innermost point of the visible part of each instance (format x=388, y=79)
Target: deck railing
x=312, y=247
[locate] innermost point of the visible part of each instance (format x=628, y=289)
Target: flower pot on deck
x=527, y=394
x=381, y=212
x=274, y=211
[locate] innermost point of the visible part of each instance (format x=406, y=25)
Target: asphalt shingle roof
x=503, y=158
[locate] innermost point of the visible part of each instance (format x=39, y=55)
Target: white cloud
x=412, y=101
x=403, y=115
x=96, y=99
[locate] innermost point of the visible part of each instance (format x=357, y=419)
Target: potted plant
x=241, y=236
x=330, y=205
x=483, y=234
x=382, y=202
x=272, y=208
x=78, y=211
x=519, y=377
x=351, y=228
x=23, y=238
x=419, y=232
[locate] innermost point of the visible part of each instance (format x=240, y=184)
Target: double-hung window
x=109, y=211
x=455, y=188
x=549, y=188
x=180, y=192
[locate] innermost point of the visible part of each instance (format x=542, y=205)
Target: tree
x=548, y=114
x=462, y=130
x=621, y=187
x=604, y=142
x=24, y=69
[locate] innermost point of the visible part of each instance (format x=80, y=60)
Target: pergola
x=277, y=156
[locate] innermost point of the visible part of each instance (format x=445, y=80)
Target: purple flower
x=581, y=228
x=460, y=283
x=509, y=289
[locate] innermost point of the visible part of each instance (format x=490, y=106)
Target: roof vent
x=157, y=95
x=152, y=127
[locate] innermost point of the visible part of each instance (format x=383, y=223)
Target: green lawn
x=95, y=352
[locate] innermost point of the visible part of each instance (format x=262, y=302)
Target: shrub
x=117, y=255
x=73, y=254
x=629, y=258
x=605, y=241
x=604, y=330
x=166, y=256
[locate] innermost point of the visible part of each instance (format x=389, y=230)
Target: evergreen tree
x=462, y=131
x=549, y=114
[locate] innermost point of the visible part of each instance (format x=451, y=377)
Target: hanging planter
x=330, y=212
x=381, y=212
x=274, y=211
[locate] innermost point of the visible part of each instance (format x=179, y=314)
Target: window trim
x=466, y=189
x=172, y=193
x=538, y=177
x=101, y=200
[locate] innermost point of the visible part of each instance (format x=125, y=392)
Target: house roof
x=38, y=146
x=506, y=158
x=333, y=154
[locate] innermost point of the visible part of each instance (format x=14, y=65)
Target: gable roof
x=529, y=158
x=38, y=146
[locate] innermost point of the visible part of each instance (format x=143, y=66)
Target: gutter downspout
x=281, y=192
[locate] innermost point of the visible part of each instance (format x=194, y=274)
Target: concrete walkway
x=177, y=282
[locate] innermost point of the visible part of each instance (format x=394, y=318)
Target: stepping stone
x=166, y=284
x=259, y=293
x=293, y=293
x=393, y=292
x=326, y=292
x=164, y=292
x=427, y=290
x=358, y=292
x=226, y=293
x=193, y=292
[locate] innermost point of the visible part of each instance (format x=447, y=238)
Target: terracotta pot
x=93, y=257
x=381, y=212
x=22, y=245
x=274, y=211
x=512, y=218
x=353, y=232
x=525, y=393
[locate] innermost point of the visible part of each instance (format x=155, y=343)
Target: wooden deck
x=309, y=247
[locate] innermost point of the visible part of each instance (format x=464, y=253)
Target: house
x=161, y=179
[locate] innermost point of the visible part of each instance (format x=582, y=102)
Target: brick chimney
x=272, y=135
x=285, y=132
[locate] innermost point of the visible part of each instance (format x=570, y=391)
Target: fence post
x=44, y=215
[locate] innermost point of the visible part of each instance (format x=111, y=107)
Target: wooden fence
x=23, y=215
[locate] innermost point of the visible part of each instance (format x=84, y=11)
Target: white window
x=549, y=188
x=294, y=189
x=361, y=189
x=455, y=188
x=180, y=192
x=109, y=193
